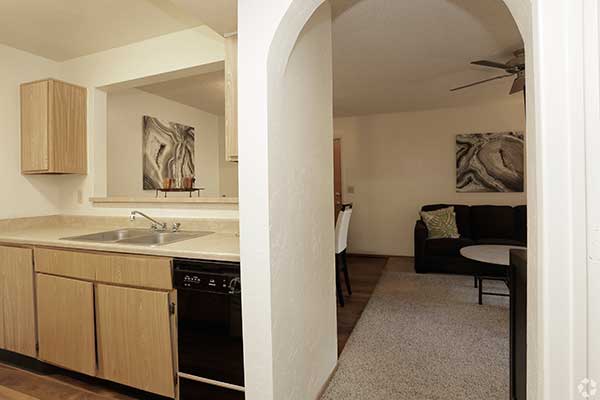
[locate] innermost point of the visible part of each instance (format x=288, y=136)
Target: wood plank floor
x=25, y=385
x=364, y=275
x=17, y=384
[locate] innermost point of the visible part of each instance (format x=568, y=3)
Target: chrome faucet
x=157, y=226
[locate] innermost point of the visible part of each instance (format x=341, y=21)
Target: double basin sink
x=139, y=237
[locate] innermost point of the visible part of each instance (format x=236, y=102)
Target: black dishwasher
x=209, y=315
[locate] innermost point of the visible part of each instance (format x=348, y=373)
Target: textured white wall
x=399, y=162
x=301, y=209
x=277, y=366
x=557, y=293
x=592, y=79
x=23, y=196
x=126, y=109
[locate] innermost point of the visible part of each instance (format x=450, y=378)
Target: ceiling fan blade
x=491, y=64
x=518, y=85
x=480, y=82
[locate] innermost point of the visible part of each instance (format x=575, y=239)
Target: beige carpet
x=424, y=337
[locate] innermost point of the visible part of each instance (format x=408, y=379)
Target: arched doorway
x=262, y=88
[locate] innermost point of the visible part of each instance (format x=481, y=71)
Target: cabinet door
x=134, y=338
x=68, y=130
x=34, y=126
x=17, y=310
x=231, y=94
x=2, y=286
x=66, y=323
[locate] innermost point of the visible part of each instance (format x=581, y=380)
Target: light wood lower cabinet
x=134, y=338
x=2, y=285
x=17, y=307
x=66, y=323
x=100, y=314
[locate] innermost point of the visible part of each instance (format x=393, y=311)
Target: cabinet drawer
x=141, y=271
x=71, y=264
x=119, y=269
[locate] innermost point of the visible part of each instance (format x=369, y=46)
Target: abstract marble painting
x=490, y=162
x=168, y=152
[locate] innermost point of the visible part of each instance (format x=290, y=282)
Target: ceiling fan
x=514, y=67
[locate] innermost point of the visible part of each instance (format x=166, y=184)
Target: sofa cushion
x=493, y=222
x=446, y=247
x=441, y=223
x=463, y=216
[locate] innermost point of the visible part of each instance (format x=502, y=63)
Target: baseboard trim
x=327, y=382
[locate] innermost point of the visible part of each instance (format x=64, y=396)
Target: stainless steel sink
x=110, y=236
x=162, y=238
x=140, y=237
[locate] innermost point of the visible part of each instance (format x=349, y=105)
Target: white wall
x=175, y=54
x=592, y=79
x=126, y=109
x=289, y=326
x=22, y=196
x=400, y=162
x=126, y=66
x=301, y=207
x=556, y=34
x=167, y=53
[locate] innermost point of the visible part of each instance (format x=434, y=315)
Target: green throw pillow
x=441, y=223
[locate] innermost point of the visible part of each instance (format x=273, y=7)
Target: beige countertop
x=223, y=245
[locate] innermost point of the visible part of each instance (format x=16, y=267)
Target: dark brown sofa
x=476, y=225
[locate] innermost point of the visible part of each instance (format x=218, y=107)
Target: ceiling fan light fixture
x=519, y=83
x=515, y=66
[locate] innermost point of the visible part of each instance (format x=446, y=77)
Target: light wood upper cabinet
x=53, y=128
x=66, y=323
x=17, y=310
x=134, y=338
x=231, y=98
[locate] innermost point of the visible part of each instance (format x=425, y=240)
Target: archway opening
x=298, y=94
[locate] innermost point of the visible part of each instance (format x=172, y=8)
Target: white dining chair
x=341, y=244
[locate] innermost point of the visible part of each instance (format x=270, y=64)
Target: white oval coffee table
x=490, y=254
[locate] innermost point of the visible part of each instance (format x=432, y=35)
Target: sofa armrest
x=421, y=234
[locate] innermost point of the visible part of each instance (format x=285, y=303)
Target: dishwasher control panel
x=207, y=276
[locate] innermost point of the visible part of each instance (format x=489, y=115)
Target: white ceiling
x=220, y=15
x=389, y=55
x=392, y=55
x=205, y=92
x=65, y=29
